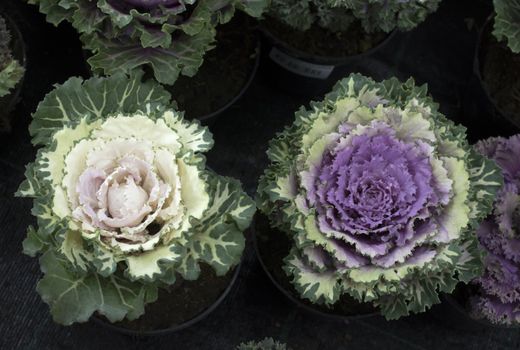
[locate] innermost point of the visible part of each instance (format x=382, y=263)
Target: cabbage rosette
x=11, y=71
x=379, y=192
x=123, y=200
x=498, y=298
x=338, y=15
x=168, y=36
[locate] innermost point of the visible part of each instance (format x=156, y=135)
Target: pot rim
x=327, y=60
x=177, y=328
x=477, y=71
x=291, y=297
x=208, y=117
x=252, y=75
x=481, y=322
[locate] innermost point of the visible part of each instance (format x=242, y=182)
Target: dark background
x=440, y=52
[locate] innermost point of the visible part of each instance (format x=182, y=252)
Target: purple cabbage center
x=374, y=189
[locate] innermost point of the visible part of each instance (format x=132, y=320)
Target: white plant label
x=297, y=66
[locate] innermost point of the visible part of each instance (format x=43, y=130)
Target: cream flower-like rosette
x=122, y=196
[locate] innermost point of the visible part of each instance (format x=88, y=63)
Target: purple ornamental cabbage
x=168, y=36
x=499, y=235
x=378, y=191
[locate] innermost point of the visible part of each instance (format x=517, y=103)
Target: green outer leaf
x=193, y=136
x=10, y=76
x=31, y=186
x=95, y=98
x=507, y=23
x=254, y=8
x=338, y=15
x=486, y=179
x=35, y=242
x=153, y=265
x=266, y=344
x=319, y=287
x=184, y=55
x=55, y=13
x=218, y=238
x=470, y=261
x=74, y=297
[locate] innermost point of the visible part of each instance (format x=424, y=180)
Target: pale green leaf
x=74, y=297
x=95, y=98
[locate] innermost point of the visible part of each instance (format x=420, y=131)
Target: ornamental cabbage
x=380, y=194
x=338, y=15
x=507, y=22
x=10, y=69
x=499, y=235
x=168, y=36
x=266, y=344
x=123, y=199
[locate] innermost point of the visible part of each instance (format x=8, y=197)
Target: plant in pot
x=379, y=195
x=266, y=344
x=129, y=219
x=11, y=71
x=170, y=38
x=497, y=73
x=494, y=297
x=314, y=43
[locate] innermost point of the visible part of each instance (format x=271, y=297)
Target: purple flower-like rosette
x=378, y=191
x=499, y=296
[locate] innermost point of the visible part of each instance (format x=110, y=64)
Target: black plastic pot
x=209, y=119
x=482, y=115
x=453, y=314
x=176, y=328
x=8, y=102
x=300, y=73
x=290, y=292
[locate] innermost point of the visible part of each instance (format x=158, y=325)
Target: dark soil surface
x=182, y=303
x=462, y=295
x=319, y=41
x=500, y=69
x=225, y=72
x=273, y=246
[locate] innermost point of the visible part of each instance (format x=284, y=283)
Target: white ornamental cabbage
x=123, y=199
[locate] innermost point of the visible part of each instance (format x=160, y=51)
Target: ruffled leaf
x=95, y=98
x=184, y=56
x=218, y=239
x=318, y=287
x=338, y=15
x=266, y=344
x=151, y=265
x=486, y=179
x=10, y=76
